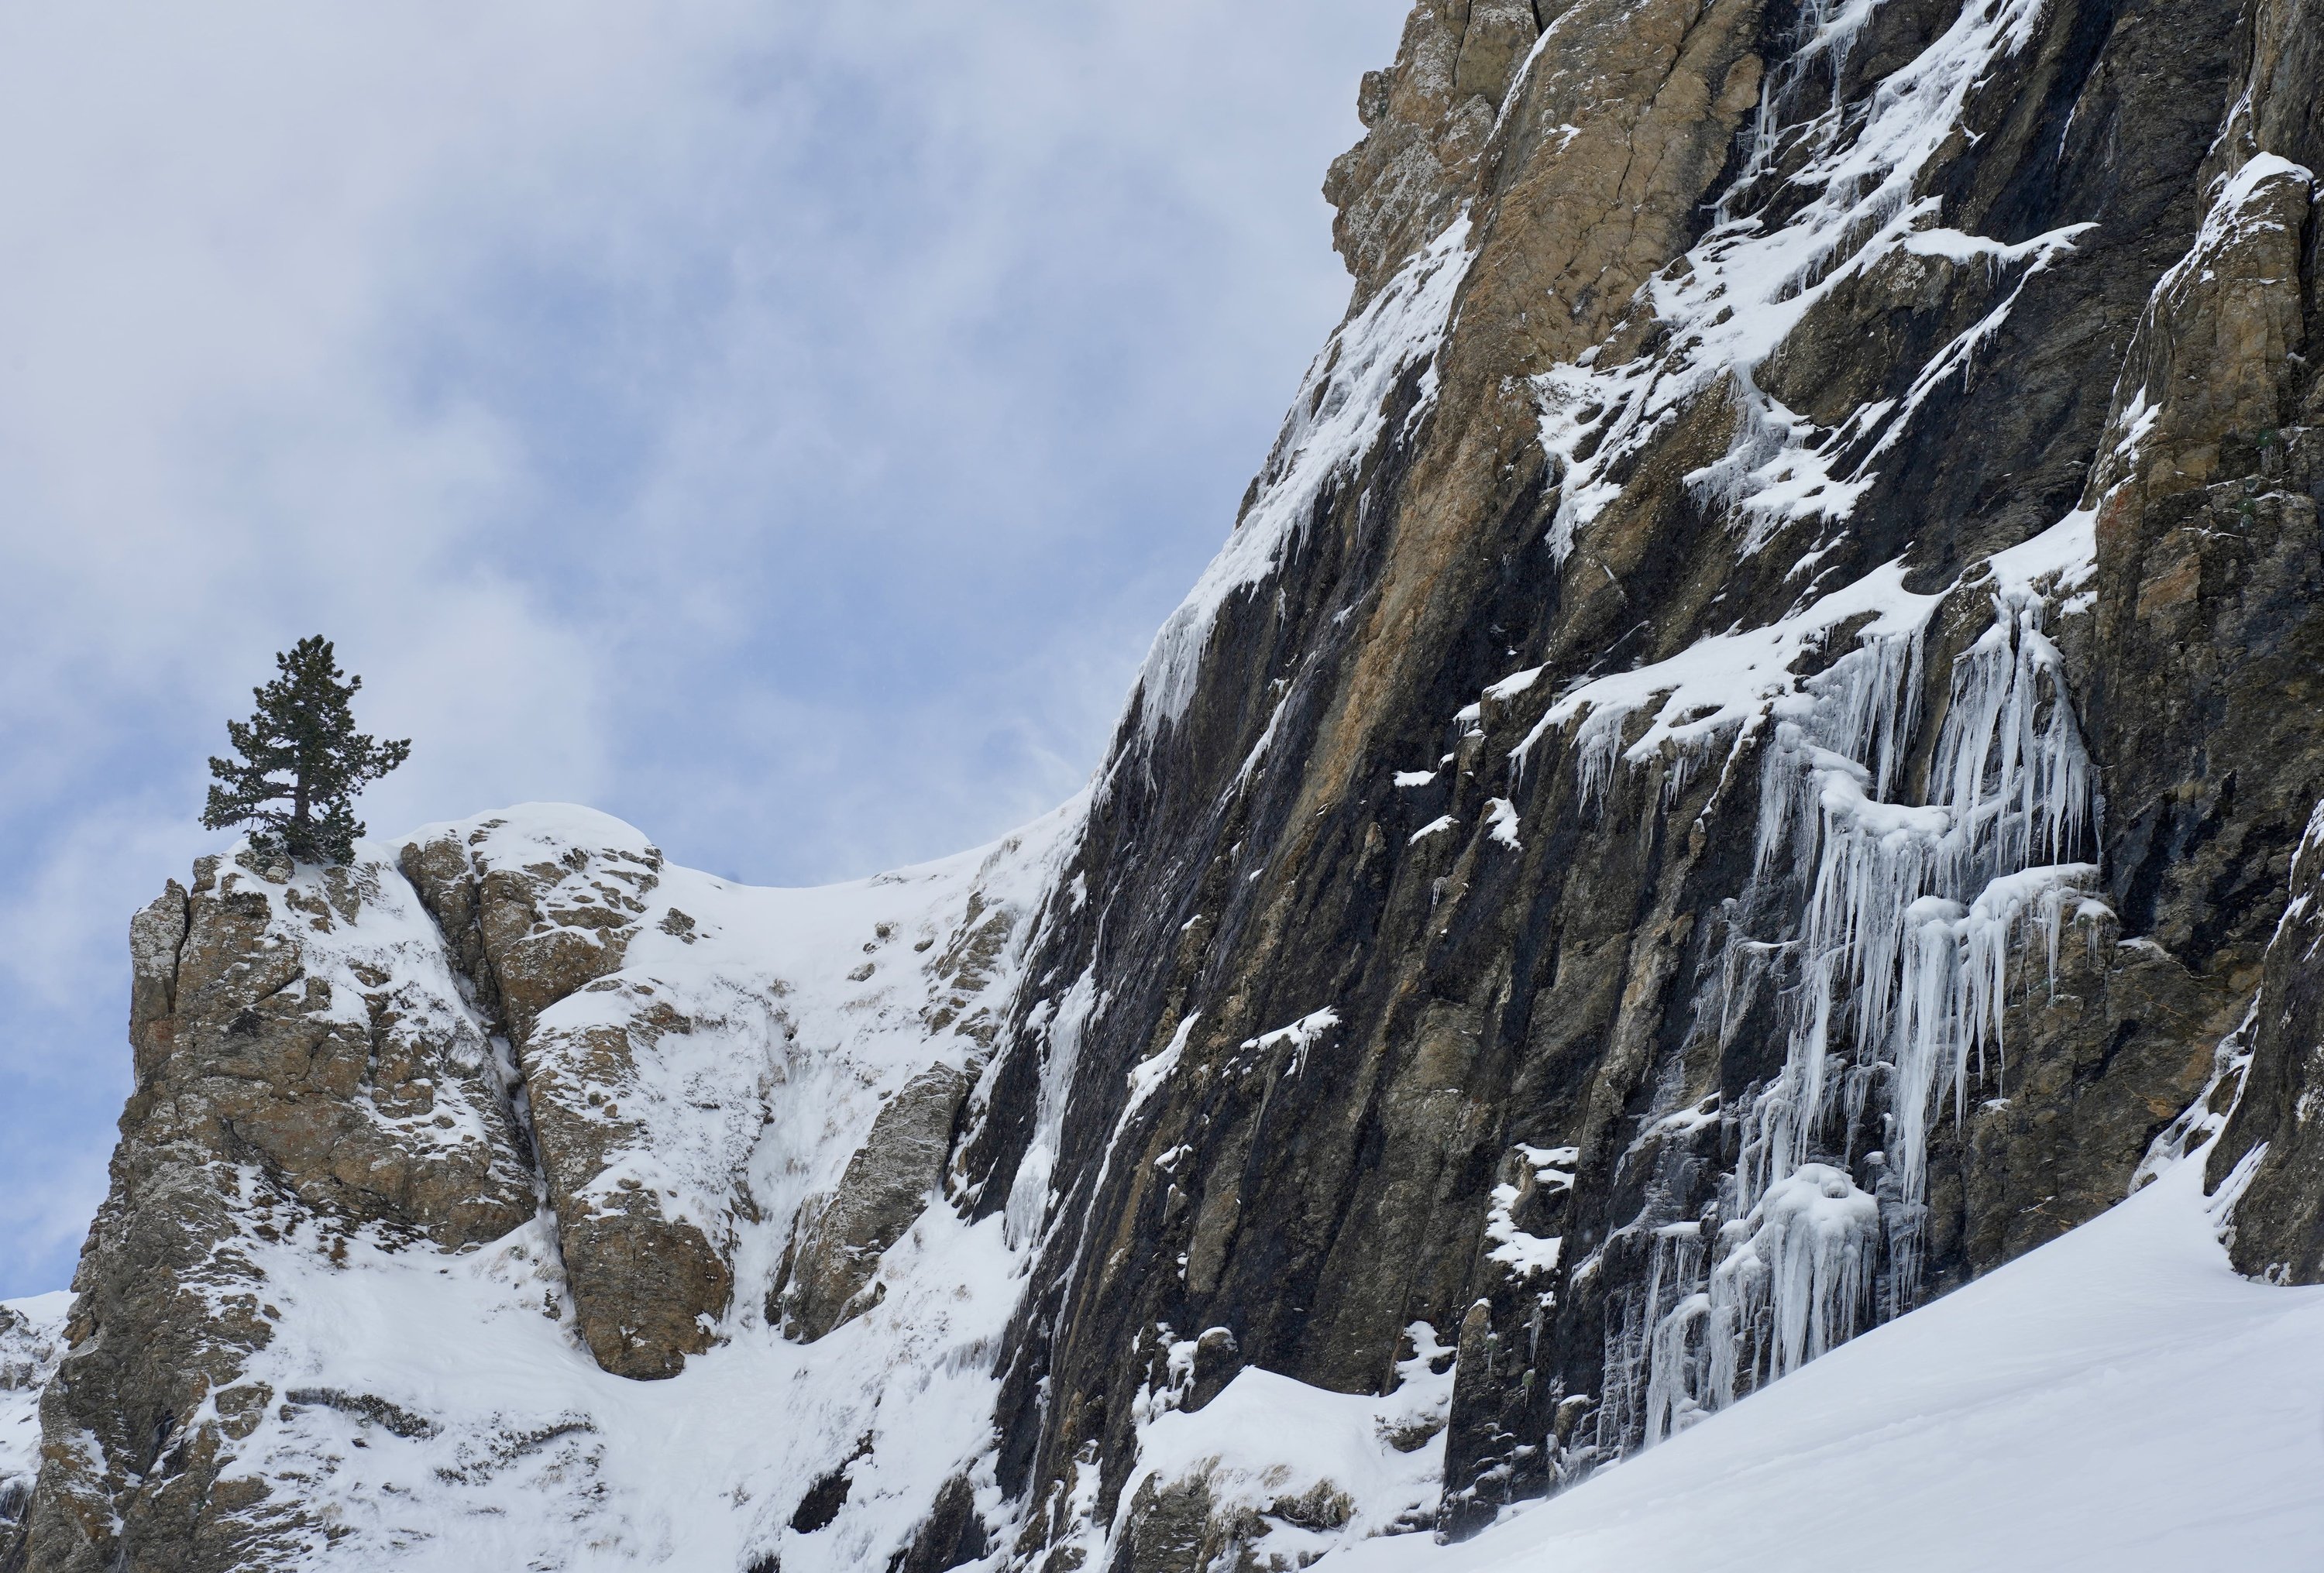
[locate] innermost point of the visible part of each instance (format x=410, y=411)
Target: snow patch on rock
x=32, y=1342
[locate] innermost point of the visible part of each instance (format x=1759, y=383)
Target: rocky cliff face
x=1745, y=754
x=31, y=1340
x=1748, y=760
x=433, y=1159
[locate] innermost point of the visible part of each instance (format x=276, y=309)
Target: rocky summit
x=1752, y=758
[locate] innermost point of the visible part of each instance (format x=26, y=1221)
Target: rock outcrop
x=534, y=924
x=31, y=1340
x=521, y=1062
x=2272, y=1149
x=839, y=1238
x=1708, y=778
x=306, y=1070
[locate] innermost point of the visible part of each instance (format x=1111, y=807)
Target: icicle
x=1916, y=915
x=1672, y=1396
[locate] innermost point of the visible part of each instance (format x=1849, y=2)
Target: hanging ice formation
x=1898, y=971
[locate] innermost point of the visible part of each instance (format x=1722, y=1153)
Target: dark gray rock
x=1413, y=999
x=1252, y=858
x=2276, y=1135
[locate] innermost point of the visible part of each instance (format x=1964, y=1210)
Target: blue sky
x=781, y=425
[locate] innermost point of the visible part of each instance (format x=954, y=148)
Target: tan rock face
x=1595, y=179
x=544, y=920
x=646, y=1286
x=529, y=933
x=1751, y=304
x=827, y=1274
x=305, y=1064
x=2104, y=1052
x=1598, y=176
x=1383, y=989
x=964, y=971
x=1406, y=180
x=380, y=1105
x=540, y=931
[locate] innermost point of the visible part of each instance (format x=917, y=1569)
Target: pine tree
x=302, y=762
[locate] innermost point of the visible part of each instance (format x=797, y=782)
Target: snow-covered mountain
x=31, y=1343
x=455, y=1154
x=1747, y=773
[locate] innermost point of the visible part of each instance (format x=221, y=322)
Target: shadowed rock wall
x=2098, y=307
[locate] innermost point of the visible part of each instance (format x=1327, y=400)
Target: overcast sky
x=780, y=425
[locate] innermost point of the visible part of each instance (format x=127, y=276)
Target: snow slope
x=2118, y=1400
x=508, y=1447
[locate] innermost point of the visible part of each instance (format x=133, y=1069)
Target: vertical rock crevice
x=648, y=1288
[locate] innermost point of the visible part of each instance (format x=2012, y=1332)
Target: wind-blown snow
x=1300, y=1036
x=1743, y=289
x=1725, y=682
x=2229, y=216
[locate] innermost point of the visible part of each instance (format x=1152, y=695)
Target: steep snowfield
x=515, y=1450
x=2117, y=1401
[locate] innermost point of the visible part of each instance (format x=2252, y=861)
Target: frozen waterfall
x=1901, y=973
